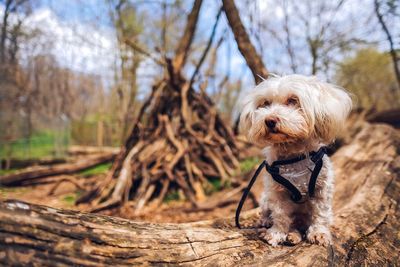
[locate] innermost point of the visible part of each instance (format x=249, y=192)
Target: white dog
x=294, y=116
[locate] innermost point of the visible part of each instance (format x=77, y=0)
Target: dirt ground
x=60, y=192
x=64, y=194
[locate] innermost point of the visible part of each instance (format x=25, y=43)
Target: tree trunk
x=245, y=46
x=4, y=31
x=45, y=171
x=390, y=116
x=365, y=230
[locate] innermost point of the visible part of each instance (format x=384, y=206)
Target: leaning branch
x=207, y=49
x=245, y=46
x=184, y=44
x=144, y=52
x=23, y=176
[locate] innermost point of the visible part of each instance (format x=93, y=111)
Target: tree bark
x=390, y=117
x=365, y=230
x=4, y=31
x=245, y=46
x=45, y=171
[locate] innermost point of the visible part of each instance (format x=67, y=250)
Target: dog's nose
x=271, y=123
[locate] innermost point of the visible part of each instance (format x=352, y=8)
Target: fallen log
x=391, y=116
x=20, y=177
x=88, y=150
x=365, y=230
x=24, y=163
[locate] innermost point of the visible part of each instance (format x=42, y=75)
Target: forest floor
x=65, y=194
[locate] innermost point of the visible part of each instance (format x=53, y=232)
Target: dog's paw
x=319, y=236
x=260, y=223
x=249, y=224
x=293, y=238
x=273, y=237
x=265, y=222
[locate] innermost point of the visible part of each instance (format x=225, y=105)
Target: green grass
x=71, y=198
x=4, y=191
x=99, y=169
x=4, y=172
x=215, y=185
x=39, y=145
x=172, y=196
x=249, y=163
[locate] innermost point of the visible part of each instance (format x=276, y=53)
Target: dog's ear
x=332, y=108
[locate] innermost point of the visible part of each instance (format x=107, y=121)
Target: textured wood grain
x=365, y=229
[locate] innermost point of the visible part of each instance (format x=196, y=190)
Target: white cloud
x=80, y=47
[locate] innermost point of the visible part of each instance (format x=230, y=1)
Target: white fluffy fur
x=308, y=113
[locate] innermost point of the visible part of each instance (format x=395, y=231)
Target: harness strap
x=246, y=192
x=296, y=195
x=274, y=171
x=316, y=157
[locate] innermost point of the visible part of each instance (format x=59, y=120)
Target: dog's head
x=294, y=108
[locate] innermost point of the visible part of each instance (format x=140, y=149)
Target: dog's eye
x=292, y=101
x=264, y=104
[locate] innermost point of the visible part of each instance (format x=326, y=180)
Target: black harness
x=273, y=170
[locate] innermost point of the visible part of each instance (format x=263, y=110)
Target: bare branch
x=247, y=49
x=187, y=38
x=143, y=51
x=207, y=49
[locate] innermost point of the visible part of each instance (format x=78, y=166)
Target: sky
x=82, y=37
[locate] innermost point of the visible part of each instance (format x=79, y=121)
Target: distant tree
x=12, y=77
x=310, y=36
x=390, y=10
x=128, y=24
x=369, y=76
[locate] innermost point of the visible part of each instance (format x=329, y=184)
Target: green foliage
x=4, y=172
x=128, y=22
x=96, y=170
x=370, y=77
x=172, y=196
x=249, y=163
x=4, y=191
x=216, y=185
x=39, y=145
x=70, y=199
